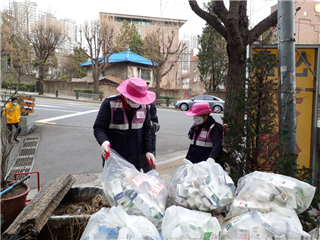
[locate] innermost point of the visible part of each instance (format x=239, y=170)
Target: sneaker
x=16, y=140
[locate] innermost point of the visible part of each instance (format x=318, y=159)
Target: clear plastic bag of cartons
x=180, y=223
x=116, y=224
x=137, y=192
x=279, y=224
x=260, y=191
x=203, y=186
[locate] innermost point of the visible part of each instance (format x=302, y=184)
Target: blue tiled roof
x=126, y=56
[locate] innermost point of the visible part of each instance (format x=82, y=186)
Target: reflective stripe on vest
x=137, y=121
x=203, y=138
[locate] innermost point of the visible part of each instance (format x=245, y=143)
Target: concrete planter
x=27, y=124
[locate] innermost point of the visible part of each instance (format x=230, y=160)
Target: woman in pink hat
x=123, y=123
x=206, y=135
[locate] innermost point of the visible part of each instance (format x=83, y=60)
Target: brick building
x=307, y=22
x=144, y=26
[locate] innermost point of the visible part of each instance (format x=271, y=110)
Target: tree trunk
x=41, y=75
x=236, y=72
x=95, y=77
x=157, y=84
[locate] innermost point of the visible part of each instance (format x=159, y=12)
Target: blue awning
x=126, y=56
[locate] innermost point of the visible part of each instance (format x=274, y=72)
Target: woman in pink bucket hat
x=123, y=123
x=206, y=135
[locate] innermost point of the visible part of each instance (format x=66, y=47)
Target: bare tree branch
x=210, y=19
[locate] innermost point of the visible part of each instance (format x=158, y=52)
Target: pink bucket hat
x=199, y=109
x=135, y=89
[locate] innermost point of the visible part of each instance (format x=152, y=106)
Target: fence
x=78, y=96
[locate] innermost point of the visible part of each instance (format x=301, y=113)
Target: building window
x=146, y=74
x=139, y=31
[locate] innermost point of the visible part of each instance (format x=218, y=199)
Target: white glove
x=151, y=159
x=105, y=149
x=210, y=160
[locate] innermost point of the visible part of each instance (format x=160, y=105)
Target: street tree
x=99, y=46
x=46, y=34
x=233, y=25
x=212, y=55
x=129, y=38
x=159, y=47
x=15, y=48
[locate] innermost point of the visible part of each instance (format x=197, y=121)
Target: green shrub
x=23, y=86
x=88, y=91
x=66, y=77
x=166, y=97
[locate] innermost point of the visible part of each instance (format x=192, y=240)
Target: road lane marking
x=170, y=160
x=53, y=110
x=67, y=116
x=50, y=123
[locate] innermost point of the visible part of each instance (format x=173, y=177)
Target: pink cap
x=135, y=89
x=199, y=109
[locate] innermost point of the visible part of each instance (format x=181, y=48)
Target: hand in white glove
x=150, y=159
x=105, y=149
x=211, y=160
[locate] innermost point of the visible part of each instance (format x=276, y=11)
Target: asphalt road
x=67, y=144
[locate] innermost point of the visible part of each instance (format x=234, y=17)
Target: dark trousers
x=18, y=130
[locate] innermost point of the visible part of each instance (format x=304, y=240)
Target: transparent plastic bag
x=184, y=224
x=314, y=234
x=261, y=191
x=203, y=186
x=279, y=224
x=138, y=193
x=115, y=224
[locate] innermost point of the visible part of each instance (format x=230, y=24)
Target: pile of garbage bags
x=203, y=186
x=200, y=203
x=115, y=224
x=138, y=193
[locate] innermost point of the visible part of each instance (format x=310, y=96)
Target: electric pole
x=287, y=84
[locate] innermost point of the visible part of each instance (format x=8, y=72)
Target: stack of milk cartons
x=203, y=186
x=138, y=193
x=261, y=191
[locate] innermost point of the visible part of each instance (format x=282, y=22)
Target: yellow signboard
x=304, y=100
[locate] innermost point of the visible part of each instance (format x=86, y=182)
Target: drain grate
x=25, y=159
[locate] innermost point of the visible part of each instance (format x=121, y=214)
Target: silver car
x=215, y=103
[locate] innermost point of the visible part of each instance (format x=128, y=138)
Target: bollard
x=77, y=95
x=167, y=102
x=56, y=93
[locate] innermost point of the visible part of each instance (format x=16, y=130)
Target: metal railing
x=78, y=95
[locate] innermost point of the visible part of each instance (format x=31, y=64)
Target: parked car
x=215, y=103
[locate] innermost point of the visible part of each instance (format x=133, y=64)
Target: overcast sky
x=81, y=10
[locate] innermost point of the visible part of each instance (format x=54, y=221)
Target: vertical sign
x=304, y=99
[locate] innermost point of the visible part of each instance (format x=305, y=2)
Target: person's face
x=200, y=119
x=132, y=103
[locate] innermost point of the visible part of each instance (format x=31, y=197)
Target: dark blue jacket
x=125, y=129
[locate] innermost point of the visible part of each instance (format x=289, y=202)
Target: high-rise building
x=25, y=11
x=191, y=42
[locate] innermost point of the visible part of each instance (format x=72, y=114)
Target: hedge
x=23, y=86
x=88, y=91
